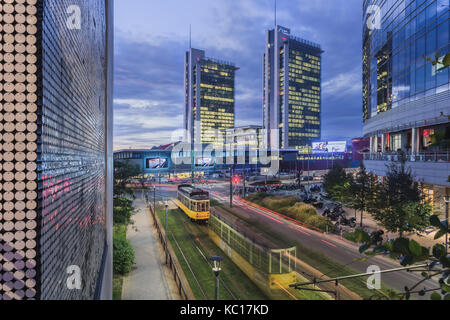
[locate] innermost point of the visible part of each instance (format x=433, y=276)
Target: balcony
x=430, y=168
x=417, y=157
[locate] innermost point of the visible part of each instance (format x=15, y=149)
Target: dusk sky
x=151, y=37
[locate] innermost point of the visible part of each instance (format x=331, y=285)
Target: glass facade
x=210, y=97
x=216, y=99
x=53, y=113
x=304, y=97
x=291, y=90
x=402, y=60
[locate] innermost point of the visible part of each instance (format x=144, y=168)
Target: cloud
x=137, y=104
x=343, y=84
x=152, y=36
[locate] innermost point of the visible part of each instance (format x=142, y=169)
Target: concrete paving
x=148, y=279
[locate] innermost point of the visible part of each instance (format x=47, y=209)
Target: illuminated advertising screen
x=157, y=163
x=329, y=147
x=204, y=162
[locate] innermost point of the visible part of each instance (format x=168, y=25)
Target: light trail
x=290, y=294
x=329, y=243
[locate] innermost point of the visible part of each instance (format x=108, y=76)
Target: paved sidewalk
x=370, y=225
x=147, y=280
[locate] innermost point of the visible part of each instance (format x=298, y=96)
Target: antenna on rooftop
x=275, y=14
x=190, y=36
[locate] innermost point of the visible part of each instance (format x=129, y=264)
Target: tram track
x=189, y=266
x=187, y=225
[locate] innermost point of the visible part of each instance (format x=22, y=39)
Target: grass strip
x=187, y=234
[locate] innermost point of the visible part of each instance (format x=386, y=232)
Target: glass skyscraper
x=210, y=97
x=396, y=69
x=291, y=90
x=406, y=89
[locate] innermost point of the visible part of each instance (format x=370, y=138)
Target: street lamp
x=166, y=205
x=154, y=199
x=231, y=186
x=217, y=261
x=447, y=201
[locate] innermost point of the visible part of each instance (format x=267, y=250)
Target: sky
x=151, y=37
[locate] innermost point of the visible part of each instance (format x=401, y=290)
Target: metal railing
x=182, y=291
x=416, y=157
x=268, y=261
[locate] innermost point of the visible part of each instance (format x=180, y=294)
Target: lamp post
x=154, y=199
x=166, y=205
x=447, y=201
x=231, y=186
x=217, y=261
x=244, y=191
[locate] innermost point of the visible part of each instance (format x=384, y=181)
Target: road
x=333, y=246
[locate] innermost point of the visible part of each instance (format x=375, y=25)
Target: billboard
x=157, y=163
x=329, y=147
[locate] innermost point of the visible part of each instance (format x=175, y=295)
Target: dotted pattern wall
x=52, y=135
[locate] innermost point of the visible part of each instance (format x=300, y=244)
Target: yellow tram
x=194, y=203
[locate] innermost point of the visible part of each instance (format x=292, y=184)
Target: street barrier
x=172, y=262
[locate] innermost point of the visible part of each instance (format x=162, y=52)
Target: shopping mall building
x=406, y=90
x=175, y=160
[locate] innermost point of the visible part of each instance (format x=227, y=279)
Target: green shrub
x=123, y=202
x=123, y=210
x=320, y=222
x=277, y=203
x=123, y=256
x=293, y=208
x=301, y=211
x=257, y=197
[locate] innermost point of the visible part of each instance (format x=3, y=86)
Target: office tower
x=55, y=139
x=246, y=136
x=406, y=94
x=291, y=90
x=210, y=97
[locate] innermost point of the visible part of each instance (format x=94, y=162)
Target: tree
x=400, y=205
x=337, y=183
x=124, y=171
x=363, y=190
x=123, y=210
x=409, y=252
